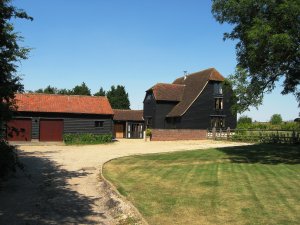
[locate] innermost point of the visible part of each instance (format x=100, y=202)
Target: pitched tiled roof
x=63, y=104
x=194, y=83
x=168, y=92
x=128, y=115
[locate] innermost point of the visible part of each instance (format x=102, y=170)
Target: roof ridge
x=169, y=84
x=90, y=96
x=191, y=74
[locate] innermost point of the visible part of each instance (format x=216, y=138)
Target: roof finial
x=185, y=73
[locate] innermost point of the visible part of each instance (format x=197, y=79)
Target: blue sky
x=135, y=43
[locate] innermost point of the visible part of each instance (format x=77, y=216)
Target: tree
x=11, y=53
x=81, y=90
x=243, y=92
x=118, y=97
x=245, y=120
x=47, y=90
x=268, y=48
x=276, y=119
x=101, y=92
x=64, y=91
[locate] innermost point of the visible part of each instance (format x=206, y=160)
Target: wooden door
x=19, y=130
x=119, y=130
x=51, y=130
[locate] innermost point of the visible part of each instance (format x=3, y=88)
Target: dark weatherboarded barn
x=45, y=117
x=128, y=123
x=195, y=101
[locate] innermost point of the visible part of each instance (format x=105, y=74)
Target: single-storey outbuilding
x=47, y=117
x=128, y=123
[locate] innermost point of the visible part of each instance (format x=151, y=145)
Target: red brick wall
x=177, y=134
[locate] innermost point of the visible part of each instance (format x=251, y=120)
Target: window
x=218, y=122
x=218, y=103
x=218, y=89
x=99, y=123
x=149, y=122
x=149, y=97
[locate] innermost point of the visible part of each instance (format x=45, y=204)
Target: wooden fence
x=261, y=136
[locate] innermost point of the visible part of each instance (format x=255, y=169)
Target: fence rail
x=261, y=136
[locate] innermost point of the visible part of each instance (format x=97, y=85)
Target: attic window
x=149, y=97
x=218, y=89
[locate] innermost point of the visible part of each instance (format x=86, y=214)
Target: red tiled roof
x=194, y=83
x=63, y=104
x=128, y=115
x=168, y=92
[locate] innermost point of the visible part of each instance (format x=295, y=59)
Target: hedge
x=82, y=139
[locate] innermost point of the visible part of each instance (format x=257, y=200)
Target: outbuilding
x=47, y=117
x=128, y=123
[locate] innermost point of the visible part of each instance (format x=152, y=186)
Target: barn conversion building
x=194, y=101
x=47, y=117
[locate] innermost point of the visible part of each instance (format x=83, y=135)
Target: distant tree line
x=275, y=123
x=117, y=95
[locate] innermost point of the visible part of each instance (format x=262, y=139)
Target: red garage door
x=19, y=130
x=51, y=130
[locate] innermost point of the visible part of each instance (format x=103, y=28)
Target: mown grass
x=238, y=185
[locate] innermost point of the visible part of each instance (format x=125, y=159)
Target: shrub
x=245, y=120
x=148, y=132
x=8, y=158
x=276, y=119
x=78, y=139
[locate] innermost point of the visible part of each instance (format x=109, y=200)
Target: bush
x=8, y=159
x=148, y=132
x=276, y=119
x=82, y=139
x=244, y=120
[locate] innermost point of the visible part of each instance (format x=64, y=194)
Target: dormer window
x=218, y=89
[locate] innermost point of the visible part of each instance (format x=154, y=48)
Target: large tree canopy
x=10, y=55
x=118, y=97
x=268, y=34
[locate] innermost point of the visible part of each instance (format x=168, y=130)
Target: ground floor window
x=218, y=122
x=135, y=130
x=148, y=122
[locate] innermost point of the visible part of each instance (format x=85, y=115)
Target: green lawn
x=257, y=184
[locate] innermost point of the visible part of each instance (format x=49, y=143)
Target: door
x=135, y=130
x=51, y=130
x=119, y=130
x=19, y=130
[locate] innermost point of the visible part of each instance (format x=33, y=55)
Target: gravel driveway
x=61, y=184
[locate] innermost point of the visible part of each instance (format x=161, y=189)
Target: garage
x=19, y=130
x=51, y=130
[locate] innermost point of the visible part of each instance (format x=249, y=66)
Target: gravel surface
x=62, y=185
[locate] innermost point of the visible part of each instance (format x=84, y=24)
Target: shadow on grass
x=263, y=153
x=41, y=196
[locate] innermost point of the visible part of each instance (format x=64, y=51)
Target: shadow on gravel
x=40, y=195
x=264, y=153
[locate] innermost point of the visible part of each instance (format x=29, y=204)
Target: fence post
x=228, y=132
x=214, y=133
